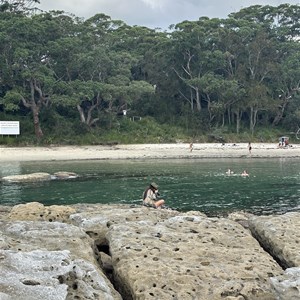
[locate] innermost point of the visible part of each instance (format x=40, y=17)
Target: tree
x=205, y=74
x=196, y=54
x=98, y=78
x=287, y=83
x=28, y=76
x=21, y=6
x=272, y=58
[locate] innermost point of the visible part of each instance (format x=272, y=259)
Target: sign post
x=9, y=127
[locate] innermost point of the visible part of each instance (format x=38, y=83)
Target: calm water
x=200, y=184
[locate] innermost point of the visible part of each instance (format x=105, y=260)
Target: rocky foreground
x=133, y=252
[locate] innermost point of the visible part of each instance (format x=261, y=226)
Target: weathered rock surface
x=287, y=286
x=146, y=253
x=35, y=211
x=31, y=252
x=187, y=257
x=54, y=275
x=279, y=235
x=65, y=175
x=33, y=177
x=96, y=220
x=158, y=254
x=41, y=176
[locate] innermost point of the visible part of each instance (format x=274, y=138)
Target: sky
x=154, y=13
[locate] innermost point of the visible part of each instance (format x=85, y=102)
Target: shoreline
x=147, y=151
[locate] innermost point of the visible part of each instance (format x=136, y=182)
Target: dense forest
x=97, y=80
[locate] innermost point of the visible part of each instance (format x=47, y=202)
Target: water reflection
x=11, y=193
x=10, y=168
x=272, y=187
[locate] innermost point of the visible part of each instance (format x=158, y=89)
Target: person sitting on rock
x=151, y=196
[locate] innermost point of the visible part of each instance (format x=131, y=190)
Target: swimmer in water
x=229, y=172
x=245, y=174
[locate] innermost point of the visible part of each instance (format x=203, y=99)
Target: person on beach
x=249, y=148
x=245, y=174
x=191, y=146
x=151, y=196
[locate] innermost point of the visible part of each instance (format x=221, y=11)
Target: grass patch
x=143, y=131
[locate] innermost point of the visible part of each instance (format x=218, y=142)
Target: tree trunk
x=253, y=118
x=229, y=116
x=88, y=120
x=280, y=113
x=192, y=100
x=238, y=120
x=81, y=114
x=86, y=116
x=198, y=103
x=35, y=106
x=36, y=121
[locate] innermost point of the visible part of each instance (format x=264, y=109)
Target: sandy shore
x=149, y=151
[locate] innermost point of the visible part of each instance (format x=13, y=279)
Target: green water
x=194, y=184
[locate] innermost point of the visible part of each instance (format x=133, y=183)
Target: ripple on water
x=202, y=185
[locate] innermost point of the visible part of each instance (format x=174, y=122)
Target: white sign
x=9, y=127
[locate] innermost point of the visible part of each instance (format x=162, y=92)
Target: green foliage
x=146, y=130
x=11, y=101
x=8, y=141
x=68, y=80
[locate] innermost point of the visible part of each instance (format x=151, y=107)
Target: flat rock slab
x=49, y=275
x=29, y=236
x=190, y=257
x=151, y=253
x=39, y=176
x=96, y=220
x=280, y=236
x=49, y=260
x=33, y=177
x=64, y=175
x=35, y=211
x=287, y=286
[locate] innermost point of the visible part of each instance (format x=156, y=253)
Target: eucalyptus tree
x=286, y=85
x=95, y=75
x=27, y=79
x=194, y=55
x=283, y=19
x=85, y=96
x=260, y=67
x=272, y=76
x=207, y=56
x=150, y=51
x=91, y=98
x=33, y=57
x=252, y=62
x=222, y=96
x=20, y=6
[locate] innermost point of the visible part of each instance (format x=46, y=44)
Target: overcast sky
x=154, y=13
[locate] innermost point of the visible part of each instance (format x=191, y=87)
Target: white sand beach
x=146, y=151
